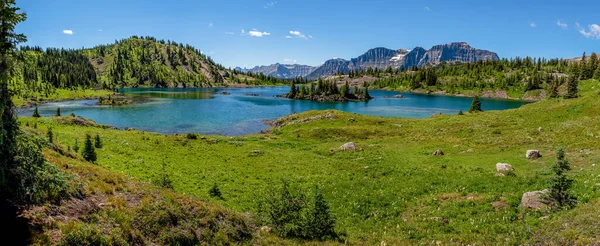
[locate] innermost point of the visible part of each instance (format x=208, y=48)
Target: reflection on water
x=241, y=110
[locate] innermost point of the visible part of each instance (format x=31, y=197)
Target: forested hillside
x=132, y=62
x=516, y=76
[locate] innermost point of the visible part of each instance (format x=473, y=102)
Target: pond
x=240, y=111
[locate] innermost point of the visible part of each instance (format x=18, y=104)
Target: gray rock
x=348, y=147
x=504, y=167
x=533, y=154
x=535, y=200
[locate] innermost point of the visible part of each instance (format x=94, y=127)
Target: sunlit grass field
x=392, y=189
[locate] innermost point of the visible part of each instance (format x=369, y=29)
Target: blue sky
x=260, y=32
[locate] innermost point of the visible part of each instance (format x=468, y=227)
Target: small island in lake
x=114, y=100
x=328, y=92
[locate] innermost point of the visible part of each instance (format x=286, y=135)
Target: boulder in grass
x=438, y=152
x=533, y=154
x=348, y=147
x=536, y=200
x=504, y=167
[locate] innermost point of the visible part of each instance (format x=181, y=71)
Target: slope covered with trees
x=132, y=62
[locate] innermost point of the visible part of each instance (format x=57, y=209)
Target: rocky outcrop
x=535, y=200
x=533, y=154
x=348, y=147
x=282, y=71
x=455, y=52
x=504, y=167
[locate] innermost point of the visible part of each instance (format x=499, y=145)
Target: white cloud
x=562, y=25
x=270, y=4
x=243, y=31
x=593, y=31
x=229, y=33
x=288, y=60
x=210, y=25
x=68, y=32
x=533, y=25
x=299, y=35
x=427, y=9
x=257, y=33
x=100, y=30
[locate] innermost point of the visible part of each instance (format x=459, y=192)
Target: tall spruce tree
x=475, y=105
x=97, y=142
x=9, y=128
x=89, y=152
x=36, y=113
x=322, y=224
x=572, y=89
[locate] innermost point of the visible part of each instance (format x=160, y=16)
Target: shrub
x=83, y=234
x=191, y=136
x=460, y=112
x=291, y=216
x=57, y=112
x=164, y=179
x=33, y=180
x=89, y=153
x=50, y=135
x=215, y=191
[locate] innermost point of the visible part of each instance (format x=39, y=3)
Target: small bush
x=164, y=178
x=215, y=191
x=36, y=113
x=191, y=136
x=83, y=234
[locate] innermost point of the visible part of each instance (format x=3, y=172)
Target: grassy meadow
x=392, y=190
x=60, y=95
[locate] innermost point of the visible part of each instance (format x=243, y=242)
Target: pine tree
x=460, y=112
x=322, y=224
x=560, y=183
x=57, y=112
x=293, y=91
x=366, y=94
x=9, y=127
x=572, y=87
x=475, y=105
x=89, y=152
x=50, y=135
x=215, y=191
x=36, y=114
x=97, y=142
x=76, y=146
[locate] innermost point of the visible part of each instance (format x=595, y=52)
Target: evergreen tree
x=57, y=112
x=572, y=89
x=366, y=94
x=460, y=112
x=322, y=224
x=97, y=142
x=89, y=152
x=36, y=114
x=9, y=127
x=560, y=183
x=553, y=91
x=475, y=105
x=50, y=135
x=76, y=146
x=215, y=191
x=293, y=91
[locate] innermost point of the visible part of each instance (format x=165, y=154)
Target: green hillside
x=392, y=189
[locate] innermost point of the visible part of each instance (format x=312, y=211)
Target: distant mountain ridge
x=381, y=58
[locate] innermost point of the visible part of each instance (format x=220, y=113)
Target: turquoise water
x=209, y=111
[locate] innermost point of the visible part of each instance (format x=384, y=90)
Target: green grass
x=61, y=95
x=392, y=189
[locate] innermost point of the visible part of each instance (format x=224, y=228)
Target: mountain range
x=380, y=58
